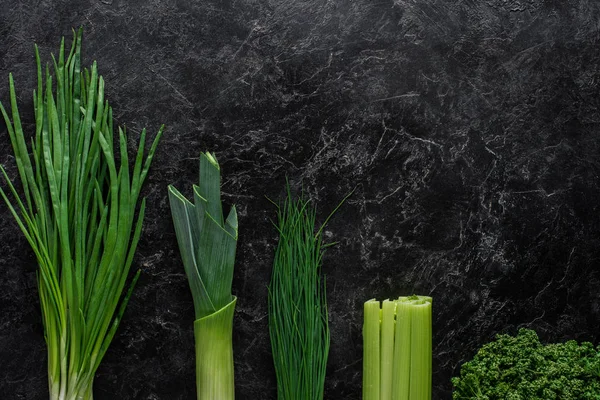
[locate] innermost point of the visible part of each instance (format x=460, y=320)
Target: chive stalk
x=401, y=328
x=298, y=324
x=207, y=244
x=77, y=213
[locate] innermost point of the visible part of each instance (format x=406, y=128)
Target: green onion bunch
x=207, y=244
x=78, y=213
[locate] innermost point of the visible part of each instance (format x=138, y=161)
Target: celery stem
x=388, y=311
x=371, y=348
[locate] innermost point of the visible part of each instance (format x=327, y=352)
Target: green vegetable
x=207, y=244
x=522, y=368
x=397, y=349
x=372, y=351
x=388, y=329
x=298, y=323
x=78, y=215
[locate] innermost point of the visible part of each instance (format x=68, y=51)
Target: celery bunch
x=397, y=349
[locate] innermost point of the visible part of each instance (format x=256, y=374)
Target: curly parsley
x=522, y=368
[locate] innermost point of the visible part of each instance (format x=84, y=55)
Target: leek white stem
x=214, y=354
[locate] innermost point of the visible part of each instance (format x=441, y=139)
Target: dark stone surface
x=470, y=130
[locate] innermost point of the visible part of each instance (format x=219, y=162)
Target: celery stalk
x=402, y=353
x=420, y=350
x=388, y=312
x=397, y=349
x=371, y=348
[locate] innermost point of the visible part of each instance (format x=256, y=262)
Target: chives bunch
x=298, y=323
x=397, y=349
x=78, y=215
x=207, y=244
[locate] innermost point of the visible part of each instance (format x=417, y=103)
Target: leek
x=207, y=244
x=397, y=349
x=77, y=213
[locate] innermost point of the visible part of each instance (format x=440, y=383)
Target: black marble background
x=470, y=130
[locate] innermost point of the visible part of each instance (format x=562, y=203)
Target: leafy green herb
x=523, y=368
x=78, y=215
x=207, y=244
x=298, y=323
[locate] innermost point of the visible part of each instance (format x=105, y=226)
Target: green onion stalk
x=207, y=243
x=397, y=350
x=78, y=213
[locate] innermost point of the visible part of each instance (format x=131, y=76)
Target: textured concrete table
x=470, y=130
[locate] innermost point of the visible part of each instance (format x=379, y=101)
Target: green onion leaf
x=78, y=215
